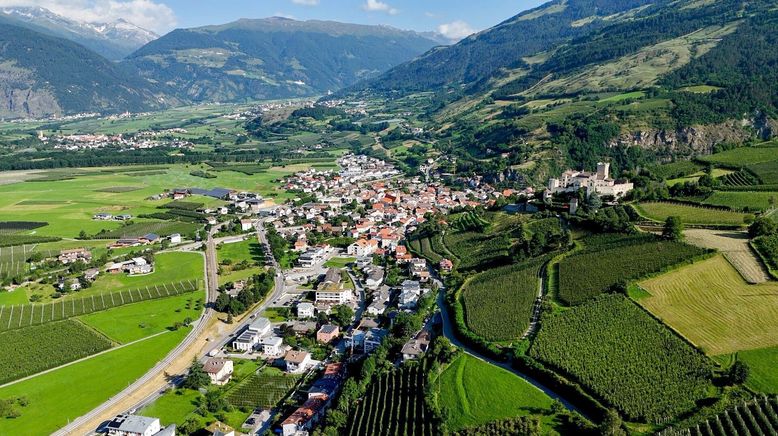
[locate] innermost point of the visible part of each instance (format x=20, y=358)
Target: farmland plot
x=734, y=246
x=264, y=389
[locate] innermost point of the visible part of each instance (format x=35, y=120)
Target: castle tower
x=603, y=170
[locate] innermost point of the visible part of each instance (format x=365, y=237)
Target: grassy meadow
x=69, y=392
x=473, y=392
x=710, y=304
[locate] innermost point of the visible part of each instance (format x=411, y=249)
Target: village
x=350, y=276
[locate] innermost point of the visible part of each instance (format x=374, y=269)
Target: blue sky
x=421, y=15
x=455, y=18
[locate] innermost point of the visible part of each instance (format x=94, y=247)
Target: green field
x=717, y=172
x=69, y=392
x=135, y=321
x=263, y=389
x=248, y=250
x=763, y=363
x=473, y=392
x=710, y=304
x=339, y=262
x=744, y=155
x=659, y=211
x=68, y=205
x=752, y=201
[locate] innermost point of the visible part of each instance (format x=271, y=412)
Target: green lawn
x=69, y=392
x=742, y=156
x=168, y=268
x=237, y=252
x=129, y=323
x=659, y=211
x=339, y=262
x=474, y=392
x=764, y=369
x=717, y=172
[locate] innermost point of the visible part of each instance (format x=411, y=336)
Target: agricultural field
x=477, y=251
x=426, y=248
x=249, y=250
x=34, y=349
x=473, y=392
x=394, y=404
x=758, y=416
x=741, y=200
x=741, y=156
x=161, y=228
x=134, y=321
x=767, y=172
x=469, y=221
x=762, y=362
x=734, y=245
x=625, y=357
x=498, y=303
x=767, y=247
x=21, y=316
x=710, y=304
x=717, y=172
x=69, y=392
x=659, y=211
x=590, y=273
x=82, y=193
x=264, y=389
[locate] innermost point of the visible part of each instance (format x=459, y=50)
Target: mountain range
x=273, y=58
x=113, y=40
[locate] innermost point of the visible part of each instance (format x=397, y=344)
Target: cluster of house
x=140, y=140
x=320, y=394
x=134, y=266
x=103, y=216
x=598, y=182
x=74, y=255
x=333, y=290
x=147, y=239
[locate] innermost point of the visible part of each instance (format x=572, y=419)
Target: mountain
x=273, y=58
x=113, y=40
x=42, y=75
x=573, y=82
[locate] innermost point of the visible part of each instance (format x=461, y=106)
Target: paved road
x=222, y=340
x=211, y=277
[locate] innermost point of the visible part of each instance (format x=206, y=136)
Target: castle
x=598, y=182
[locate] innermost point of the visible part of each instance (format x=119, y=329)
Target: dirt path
x=735, y=248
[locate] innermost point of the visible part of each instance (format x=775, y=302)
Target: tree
x=673, y=229
x=738, y=372
x=222, y=302
x=761, y=227
x=189, y=426
x=594, y=202
x=229, y=318
x=611, y=425
x=197, y=377
x=82, y=235
x=342, y=315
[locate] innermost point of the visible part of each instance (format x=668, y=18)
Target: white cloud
x=306, y=2
x=148, y=14
x=456, y=30
x=379, y=6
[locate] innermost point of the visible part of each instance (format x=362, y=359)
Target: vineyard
x=690, y=214
x=499, y=303
x=38, y=348
x=739, y=178
x=743, y=156
x=263, y=389
x=625, y=357
x=757, y=417
x=25, y=315
x=394, y=405
x=478, y=251
x=11, y=227
x=585, y=275
x=767, y=246
x=469, y=221
x=183, y=205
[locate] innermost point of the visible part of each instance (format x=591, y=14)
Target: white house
x=175, y=238
x=136, y=425
x=219, y=370
x=246, y=225
x=409, y=295
x=272, y=346
x=374, y=277
x=305, y=310
x=297, y=362
x=334, y=296
x=253, y=333
x=362, y=247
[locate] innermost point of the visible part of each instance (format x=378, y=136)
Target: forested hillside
x=273, y=58
x=41, y=75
